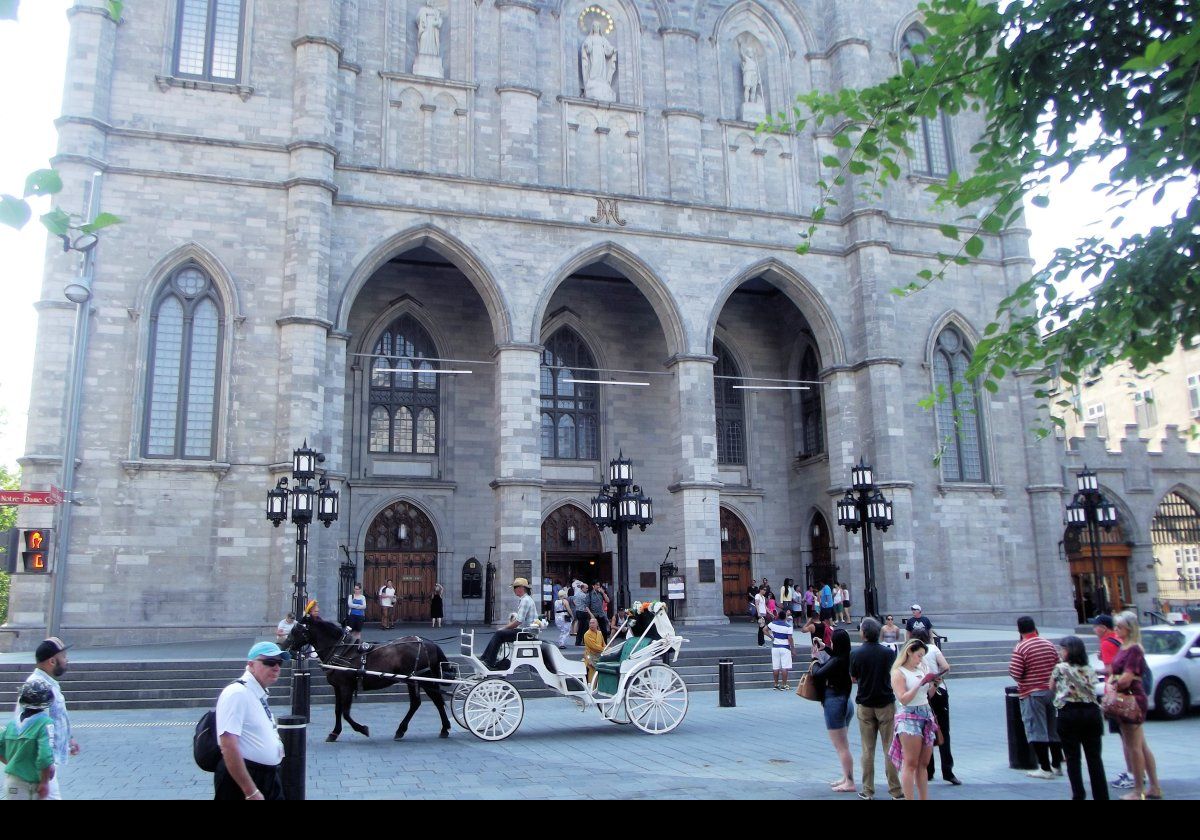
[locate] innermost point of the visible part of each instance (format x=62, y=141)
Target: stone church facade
x=548, y=196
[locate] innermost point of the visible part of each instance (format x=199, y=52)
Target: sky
x=32, y=63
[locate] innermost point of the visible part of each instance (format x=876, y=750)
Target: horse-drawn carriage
x=633, y=682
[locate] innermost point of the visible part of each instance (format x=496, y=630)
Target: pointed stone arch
x=194, y=252
x=800, y=292
x=637, y=271
x=466, y=260
x=737, y=541
x=412, y=564
x=951, y=317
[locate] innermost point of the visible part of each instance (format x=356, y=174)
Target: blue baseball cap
x=264, y=649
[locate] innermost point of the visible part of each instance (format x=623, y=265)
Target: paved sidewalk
x=736, y=635
x=741, y=753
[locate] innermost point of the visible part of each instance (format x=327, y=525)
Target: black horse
x=410, y=655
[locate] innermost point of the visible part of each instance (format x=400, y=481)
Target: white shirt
x=911, y=680
x=760, y=605
x=242, y=711
x=284, y=627
x=387, y=596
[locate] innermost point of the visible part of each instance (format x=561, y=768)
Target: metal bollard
x=293, y=731
x=728, y=698
x=1020, y=754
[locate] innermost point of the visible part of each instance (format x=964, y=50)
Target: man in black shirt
x=918, y=622
x=871, y=668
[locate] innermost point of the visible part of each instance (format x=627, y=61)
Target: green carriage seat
x=608, y=666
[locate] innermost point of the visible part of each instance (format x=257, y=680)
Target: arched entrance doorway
x=1175, y=534
x=736, y=574
x=820, y=568
x=572, y=548
x=401, y=545
x=1114, y=566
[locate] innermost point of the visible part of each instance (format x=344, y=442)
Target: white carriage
x=633, y=683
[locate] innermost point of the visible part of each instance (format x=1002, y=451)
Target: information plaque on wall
x=522, y=569
x=708, y=571
x=648, y=580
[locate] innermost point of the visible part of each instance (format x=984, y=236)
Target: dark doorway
x=736, y=573
x=573, y=550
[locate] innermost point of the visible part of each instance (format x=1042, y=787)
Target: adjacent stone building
x=546, y=195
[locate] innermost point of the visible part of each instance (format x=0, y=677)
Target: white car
x=1173, y=654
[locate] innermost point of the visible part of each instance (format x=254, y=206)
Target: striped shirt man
x=1032, y=661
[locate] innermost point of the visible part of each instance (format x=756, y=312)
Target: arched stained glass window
x=730, y=408
x=958, y=410
x=812, y=419
x=183, y=368
x=570, y=411
x=404, y=404
x=931, y=140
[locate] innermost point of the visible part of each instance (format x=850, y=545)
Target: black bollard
x=293, y=731
x=301, y=692
x=726, y=689
x=1020, y=754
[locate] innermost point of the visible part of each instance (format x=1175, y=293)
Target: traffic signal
x=36, y=555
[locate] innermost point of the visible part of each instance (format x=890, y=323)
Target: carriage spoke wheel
x=493, y=709
x=459, y=700
x=617, y=713
x=656, y=699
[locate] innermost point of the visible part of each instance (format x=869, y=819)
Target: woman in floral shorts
x=916, y=728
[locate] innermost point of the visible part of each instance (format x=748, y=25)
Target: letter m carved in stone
x=607, y=212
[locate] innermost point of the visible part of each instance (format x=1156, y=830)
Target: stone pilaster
x=518, y=91
x=695, y=508
x=518, y=479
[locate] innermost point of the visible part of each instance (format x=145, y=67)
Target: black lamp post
x=1091, y=510
x=621, y=505
x=306, y=501
x=861, y=507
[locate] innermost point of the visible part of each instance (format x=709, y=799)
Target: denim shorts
x=838, y=710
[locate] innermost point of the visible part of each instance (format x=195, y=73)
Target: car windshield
x=1162, y=641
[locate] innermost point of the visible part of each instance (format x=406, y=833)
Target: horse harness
x=351, y=653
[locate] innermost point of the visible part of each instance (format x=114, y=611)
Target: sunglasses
x=271, y=662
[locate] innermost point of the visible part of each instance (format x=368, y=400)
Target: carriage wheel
x=656, y=699
x=493, y=709
x=618, y=714
x=459, y=699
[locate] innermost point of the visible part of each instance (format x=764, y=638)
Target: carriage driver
x=525, y=616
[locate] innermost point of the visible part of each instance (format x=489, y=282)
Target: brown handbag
x=807, y=687
x=1122, y=707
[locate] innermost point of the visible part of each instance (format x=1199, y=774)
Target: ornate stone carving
x=429, y=43
x=598, y=56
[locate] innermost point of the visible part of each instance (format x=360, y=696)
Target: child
x=25, y=746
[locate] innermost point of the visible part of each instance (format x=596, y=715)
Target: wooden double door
x=401, y=546
x=736, y=574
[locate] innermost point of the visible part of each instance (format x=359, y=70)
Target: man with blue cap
x=251, y=751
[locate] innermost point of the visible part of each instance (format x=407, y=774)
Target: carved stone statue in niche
x=429, y=43
x=754, y=108
x=598, y=61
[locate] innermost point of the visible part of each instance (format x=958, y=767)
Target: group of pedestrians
x=580, y=609
x=37, y=743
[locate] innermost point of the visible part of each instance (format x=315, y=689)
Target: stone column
x=695, y=508
x=518, y=90
x=683, y=117
x=518, y=479
x=82, y=150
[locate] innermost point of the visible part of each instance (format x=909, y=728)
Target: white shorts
x=781, y=659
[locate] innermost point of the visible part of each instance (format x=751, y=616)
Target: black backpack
x=206, y=750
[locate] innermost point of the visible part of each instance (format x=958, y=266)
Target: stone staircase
x=196, y=684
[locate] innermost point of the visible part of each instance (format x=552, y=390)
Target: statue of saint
x=598, y=60
x=753, y=107
x=429, y=43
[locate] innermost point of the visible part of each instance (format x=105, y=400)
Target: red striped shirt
x=1032, y=661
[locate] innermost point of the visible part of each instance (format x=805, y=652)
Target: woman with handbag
x=833, y=687
x=1125, y=701
x=1079, y=721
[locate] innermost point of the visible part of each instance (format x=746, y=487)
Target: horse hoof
x=365, y=732
x=330, y=737
x=398, y=736
x=445, y=733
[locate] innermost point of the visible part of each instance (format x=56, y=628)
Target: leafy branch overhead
x=1060, y=84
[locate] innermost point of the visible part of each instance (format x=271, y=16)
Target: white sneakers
x=1041, y=774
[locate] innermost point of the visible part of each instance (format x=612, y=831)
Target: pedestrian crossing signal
x=36, y=555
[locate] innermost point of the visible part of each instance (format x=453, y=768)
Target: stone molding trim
x=305, y=320
x=894, y=484
x=165, y=83
x=680, y=486
x=1046, y=488
x=91, y=10
x=604, y=106
x=836, y=46
x=82, y=160
x=51, y=303
x=135, y=466
x=320, y=40
x=690, y=357
x=528, y=5
x=857, y=366
x=340, y=335
x=356, y=69
x=71, y=119
x=390, y=483
x=427, y=80
x=42, y=461
x=497, y=483
x=947, y=487
x=675, y=30
x=528, y=347
x=683, y=112
x=312, y=144
x=534, y=92
x=740, y=490
x=329, y=186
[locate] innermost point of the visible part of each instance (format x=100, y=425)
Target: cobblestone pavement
x=747, y=752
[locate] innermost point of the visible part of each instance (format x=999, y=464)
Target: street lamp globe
x=303, y=497
x=848, y=512
x=862, y=476
x=277, y=503
x=304, y=463
x=327, y=504
x=620, y=471
x=1087, y=481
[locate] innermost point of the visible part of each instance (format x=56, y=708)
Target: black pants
x=581, y=626
x=939, y=704
x=1081, y=725
x=266, y=779
x=498, y=638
